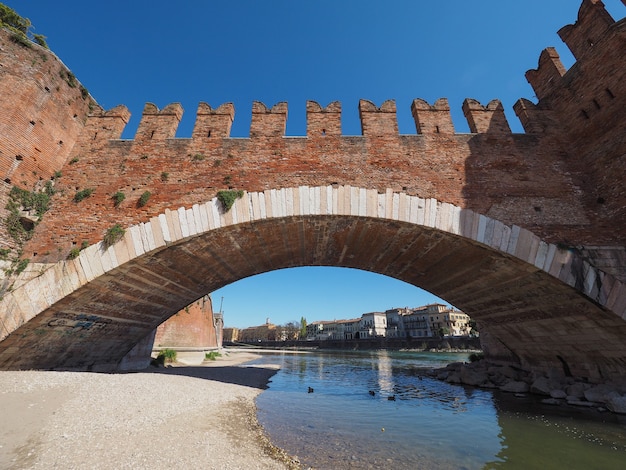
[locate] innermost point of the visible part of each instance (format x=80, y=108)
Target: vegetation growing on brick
x=228, y=198
x=21, y=200
x=144, y=198
x=113, y=235
x=20, y=27
x=74, y=252
x=118, y=197
x=164, y=176
x=83, y=194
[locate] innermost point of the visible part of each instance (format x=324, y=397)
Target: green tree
x=302, y=328
x=10, y=19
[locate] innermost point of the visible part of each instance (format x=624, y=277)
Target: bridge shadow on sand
x=248, y=376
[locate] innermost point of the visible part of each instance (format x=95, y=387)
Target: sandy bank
x=177, y=417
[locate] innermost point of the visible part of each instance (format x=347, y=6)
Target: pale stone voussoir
x=214, y=209
x=303, y=200
x=395, y=206
x=91, y=260
x=69, y=280
x=616, y=301
x=182, y=218
x=107, y=257
x=202, y=216
x=512, y=245
x=354, y=201
x=157, y=232
x=173, y=225
x=137, y=242
x=165, y=229
x=404, y=207
x=35, y=293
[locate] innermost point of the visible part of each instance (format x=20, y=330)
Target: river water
x=375, y=410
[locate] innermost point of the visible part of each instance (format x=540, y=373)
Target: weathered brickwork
x=43, y=108
x=507, y=227
x=192, y=327
x=563, y=179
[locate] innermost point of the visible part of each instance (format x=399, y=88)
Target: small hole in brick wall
x=600, y=200
x=151, y=134
x=95, y=135
x=609, y=92
x=537, y=209
x=32, y=123
x=404, y=188
x=323, y=131
x=437, y=129
x=60, y=142
x=47, y=89
x=7, y=180
x=75, y=116
x=34, y=254
x=19, y=158
x=596, y=104
x=584, y=113
x=208, y=134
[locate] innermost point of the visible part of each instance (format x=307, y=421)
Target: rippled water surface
x=375, y=410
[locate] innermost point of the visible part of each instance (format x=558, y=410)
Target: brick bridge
x=524, y=232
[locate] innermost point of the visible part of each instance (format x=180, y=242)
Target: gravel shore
x=161, y=418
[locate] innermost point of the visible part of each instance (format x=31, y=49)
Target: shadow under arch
x=538, y=306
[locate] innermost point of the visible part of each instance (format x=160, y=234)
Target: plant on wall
x=113, y=235
x=118, y=197
x=83, y=194
x=228, y=198
x=144, y=198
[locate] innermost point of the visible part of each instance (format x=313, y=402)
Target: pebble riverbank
x=161, y=418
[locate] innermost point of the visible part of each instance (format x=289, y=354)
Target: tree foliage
x=302, y=328
x=21, y=27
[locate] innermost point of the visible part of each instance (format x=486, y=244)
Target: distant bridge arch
x=535, y=301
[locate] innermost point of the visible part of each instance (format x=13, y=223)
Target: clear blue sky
x=131, y=52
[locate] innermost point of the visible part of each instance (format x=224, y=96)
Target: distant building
x=266, y=332
x=396, y=322
x=231, y=335
x=372, y=325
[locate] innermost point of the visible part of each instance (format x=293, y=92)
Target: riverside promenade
x=161, y=418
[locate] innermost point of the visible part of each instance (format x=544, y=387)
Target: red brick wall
x=563, y=179
x=40, y=119
x=191, y=327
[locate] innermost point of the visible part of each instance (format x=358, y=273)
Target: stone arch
x=116, y=294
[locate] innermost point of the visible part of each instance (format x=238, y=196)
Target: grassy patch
x=228, y=198
x=113, y=235
x=212, y=356
x=144, y=198
x=83, y=194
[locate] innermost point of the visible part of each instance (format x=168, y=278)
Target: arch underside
x=527, y=315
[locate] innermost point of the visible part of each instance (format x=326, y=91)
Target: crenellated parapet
x=213, y=122
x=432, y=119
x=488, y=119
x=268, y=122
x=159, y=124
x=548, y=75
x=376, y=121
x=323, y=121
x=595, y=29
x=592, y=24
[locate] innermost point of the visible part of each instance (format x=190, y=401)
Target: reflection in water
x=430, y=425
x=385, y=373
